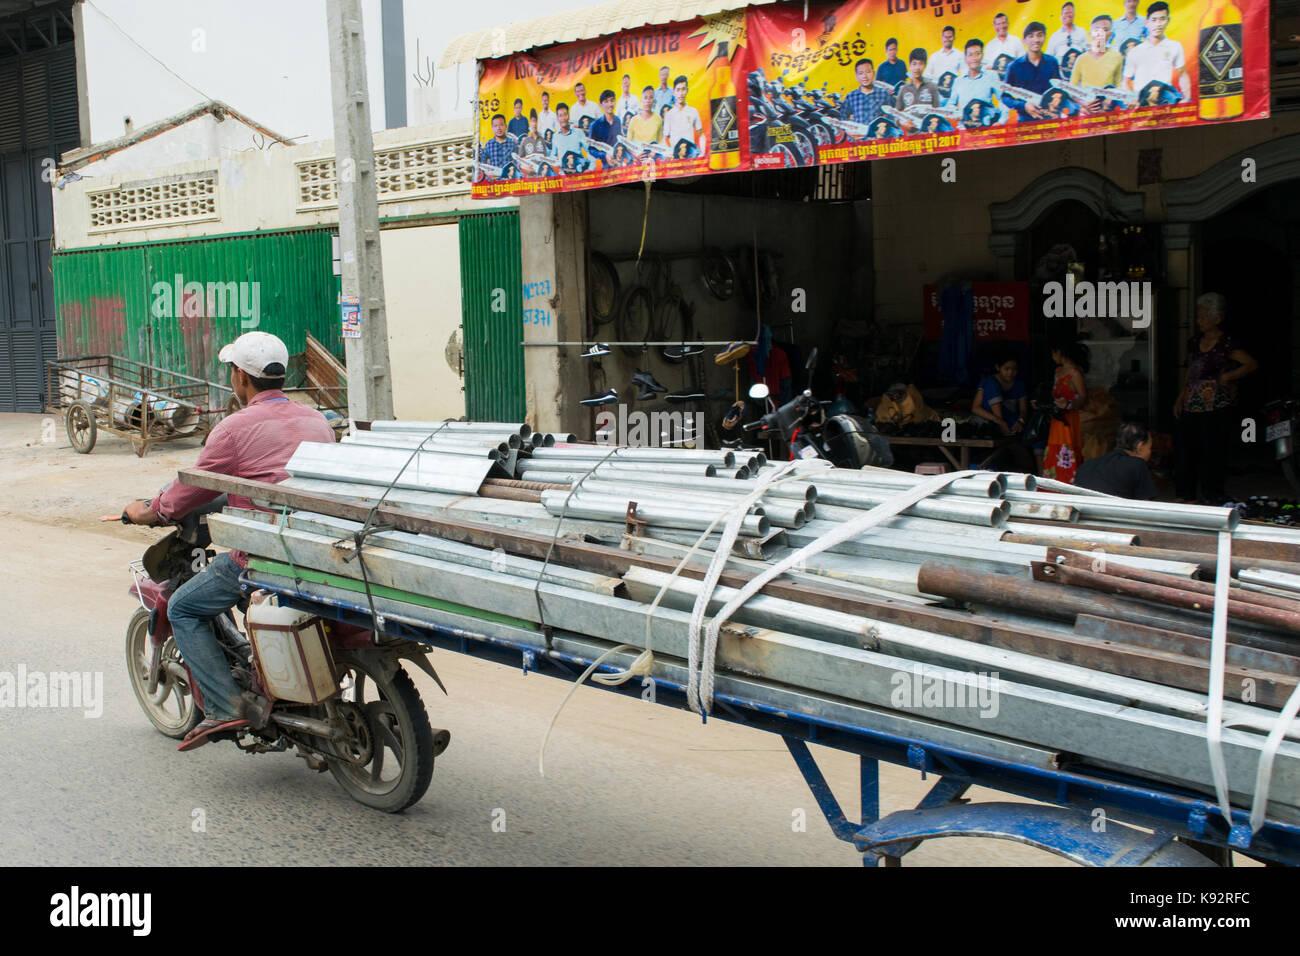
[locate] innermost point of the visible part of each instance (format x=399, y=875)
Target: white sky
x=268, y=59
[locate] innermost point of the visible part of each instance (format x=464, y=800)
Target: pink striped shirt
x=255, y=442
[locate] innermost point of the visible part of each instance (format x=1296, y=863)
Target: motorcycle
x=363, y=719
x=1281, y=418
x=846, y=441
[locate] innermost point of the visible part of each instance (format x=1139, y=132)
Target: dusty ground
x=626, y=782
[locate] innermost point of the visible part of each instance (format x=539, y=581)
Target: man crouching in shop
x=255, y=442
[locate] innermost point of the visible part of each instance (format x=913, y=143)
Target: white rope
x=1218, y=666
x=699, y=666
x=643, y=664
x=1264, y=776
x=1051, y=484
x=851, y=529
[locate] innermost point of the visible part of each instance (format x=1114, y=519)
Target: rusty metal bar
x=1174, y=597
x=518, y=483
x=1083, y=562
x=1057, y=602
x=1278, y=661
x=1206, y=563
x=510, y=494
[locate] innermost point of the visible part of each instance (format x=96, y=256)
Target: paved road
x=627, y=782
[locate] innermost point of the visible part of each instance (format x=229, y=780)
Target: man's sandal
x=206, y=730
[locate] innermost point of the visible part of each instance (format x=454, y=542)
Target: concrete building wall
x=552, y=231
x=276, y=187
x=204, y=137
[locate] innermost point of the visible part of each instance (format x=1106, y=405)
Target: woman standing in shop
x=1065, y=440
x=1204, y=406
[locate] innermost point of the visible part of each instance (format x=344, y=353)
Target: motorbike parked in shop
x=1281, y=422
x=343, y=702
x=846, y=440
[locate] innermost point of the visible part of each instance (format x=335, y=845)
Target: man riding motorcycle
x=255, y=442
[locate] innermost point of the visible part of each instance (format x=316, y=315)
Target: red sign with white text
x=1001, y=311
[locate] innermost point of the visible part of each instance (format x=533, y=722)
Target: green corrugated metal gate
x=492, y=311
x=175, y=304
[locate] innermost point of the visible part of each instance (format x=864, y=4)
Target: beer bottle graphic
x=1220, y=80
x=724, y=128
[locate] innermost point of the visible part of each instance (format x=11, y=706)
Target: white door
x=422, y=295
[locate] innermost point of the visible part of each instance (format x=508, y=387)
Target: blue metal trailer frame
x=1084, y=800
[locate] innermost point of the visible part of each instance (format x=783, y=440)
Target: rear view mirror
x=759, y=392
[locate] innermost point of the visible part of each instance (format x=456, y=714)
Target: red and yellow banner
x=654, y=102
x=785, y=85
x=968, y=74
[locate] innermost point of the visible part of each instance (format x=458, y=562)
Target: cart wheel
x=80, y=421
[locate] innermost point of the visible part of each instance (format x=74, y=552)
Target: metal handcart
x=143, y=403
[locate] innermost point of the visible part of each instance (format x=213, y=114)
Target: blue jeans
x=202, y=597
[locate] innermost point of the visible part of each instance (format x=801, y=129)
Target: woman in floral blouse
x=1065, y=439
x=1204, y=407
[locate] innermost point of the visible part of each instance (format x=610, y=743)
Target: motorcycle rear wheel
x=171, y=707
x=390, y=726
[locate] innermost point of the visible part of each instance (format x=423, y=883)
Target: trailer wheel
x=80, y=422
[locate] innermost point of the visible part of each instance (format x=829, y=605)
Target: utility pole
x=370, y=385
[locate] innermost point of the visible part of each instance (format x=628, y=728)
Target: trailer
x=143, y=403
x=1090, y=815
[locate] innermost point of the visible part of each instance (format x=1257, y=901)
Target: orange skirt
x=1064, y=448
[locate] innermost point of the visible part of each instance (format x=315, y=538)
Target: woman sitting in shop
x=1204, y=406
x=1003, y=398
x=1065, y=440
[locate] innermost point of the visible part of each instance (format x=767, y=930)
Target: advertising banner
x=795, y=85
x=877, y=78
x=659, y=101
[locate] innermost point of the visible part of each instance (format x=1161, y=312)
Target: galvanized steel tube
x=501, y=428
x=606, y=508
x=799, y=490
x=1161, y=513
x=574, y=465
x=988, y=513
x=723, y=459
x=977, y=486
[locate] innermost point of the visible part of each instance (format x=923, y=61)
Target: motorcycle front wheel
x=170, y=707
x=387, y=760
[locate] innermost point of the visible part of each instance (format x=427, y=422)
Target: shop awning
x=605, y=19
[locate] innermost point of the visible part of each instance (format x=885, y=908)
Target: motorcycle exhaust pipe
x=309, y=725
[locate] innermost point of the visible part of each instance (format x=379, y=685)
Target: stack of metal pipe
x=1095, y=612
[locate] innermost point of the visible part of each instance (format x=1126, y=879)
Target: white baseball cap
x=260, y=354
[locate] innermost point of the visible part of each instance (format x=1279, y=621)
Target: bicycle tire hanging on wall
x=602, y=289
x=719, y=274
x=636, y=319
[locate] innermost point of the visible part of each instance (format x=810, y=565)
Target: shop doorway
x=1251, y=254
